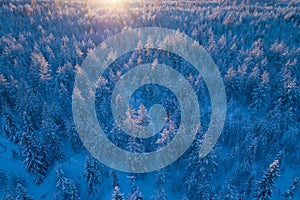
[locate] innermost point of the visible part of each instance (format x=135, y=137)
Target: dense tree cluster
x=255, y=44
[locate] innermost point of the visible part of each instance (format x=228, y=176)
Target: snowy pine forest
x=256, y=46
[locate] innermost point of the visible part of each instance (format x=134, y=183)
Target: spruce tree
x=265, y=187
x=117, y=195
x=35, y=158
x=21, y=193
x=291, y=192
x=135, y=193
x=160, y=193
x=143, y=118
x=93, y=175
x=66, y=187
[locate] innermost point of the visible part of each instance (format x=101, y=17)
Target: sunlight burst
x=116, y=5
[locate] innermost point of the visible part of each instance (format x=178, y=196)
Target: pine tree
x=18, y=193
x=212, y=45
x=290, y=193
x=93, y=175
x=135, y=193
x=134, y=146
x=115, y=179
x=160, y=193
x=5, y=91
x=117, y=195
x=35, y=158
x=10, y=128
x=143, y=118
x=50, y=134
x=44, y=68
x=266, y=185
x=288, y=94
x=131, y=120
x=134, y=123
x=21, y=193
x=260, y=94
x=28, y=126
x=199, y=172
x=72, y=135
x=165, y=138
x=254, y=79
x=66, y=187
x=167, y=134
x=271, y=131
x=231, y=81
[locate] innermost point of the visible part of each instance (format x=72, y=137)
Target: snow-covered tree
x=10, y=127
x=143, y=118
x=231, y=81
x=265, y=187
x=21, y=193
x=135, y=193
x=18, y=193
x=199, y=172
x=160, y=192
x=117, y=195
x=165, y=138
x=261, y=94
x=134, y=146
x=115, y=179
x=72, y=135
x=291, y=192
x=44, y=67
x=35, y=158
x=50, y=134
x=130, y=120
x=93, y=175
x=66, y=187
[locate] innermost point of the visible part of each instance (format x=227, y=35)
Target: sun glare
x=111, y=4
x=115, y=1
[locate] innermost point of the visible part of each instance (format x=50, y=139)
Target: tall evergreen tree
x=66, y=187
x=260, y=95
x=143, y=117
x=35, y=158
x=160, y=192
x=93, y=175
x=18, y=193
x=291, y=192
x=21, y=193
x=265, y=187
x=50, y=134
x=134, y=146
x=115, y=179
x=135, y=193
x=10, y=128
x=199, y=173
x=117, y=195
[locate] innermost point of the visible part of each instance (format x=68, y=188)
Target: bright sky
x=113, y=4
